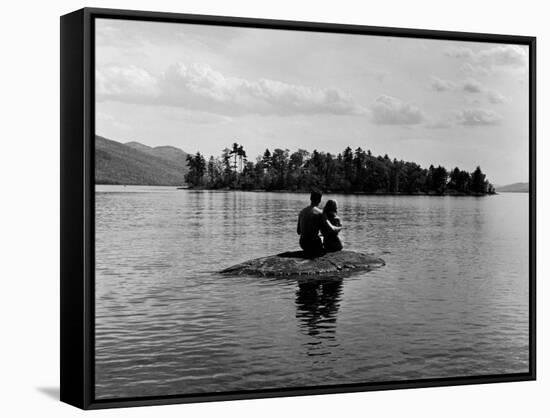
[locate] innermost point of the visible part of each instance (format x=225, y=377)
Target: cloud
x=439, y=84
x=388, y=110
x=478, y=117
x=495, y=97
x=469, y=85
x=206, y=87
x=459, y=52
x=379, y=75
x=437, y=125
x=468, y=68
x=502, y=56
x=125, y=83
x=132, y=34
x=475, y=101
x=199, y=87
x=472, y=86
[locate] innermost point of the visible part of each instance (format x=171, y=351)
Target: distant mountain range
x=136, y=164
x=514, y=188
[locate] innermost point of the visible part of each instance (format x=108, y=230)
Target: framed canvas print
x=256, y=208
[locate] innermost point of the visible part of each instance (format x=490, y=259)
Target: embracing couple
x=314, y=221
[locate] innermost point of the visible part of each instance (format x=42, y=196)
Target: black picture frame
x=77, y=205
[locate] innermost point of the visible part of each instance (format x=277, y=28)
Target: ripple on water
x=451, y=301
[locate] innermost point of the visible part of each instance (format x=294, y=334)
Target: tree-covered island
x=348, y=172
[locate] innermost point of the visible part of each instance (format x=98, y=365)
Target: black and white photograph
x=275, y=209
x=289, y=209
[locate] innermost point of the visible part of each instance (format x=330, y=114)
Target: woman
x=330, y=227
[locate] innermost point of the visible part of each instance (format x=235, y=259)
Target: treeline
x=348, y=172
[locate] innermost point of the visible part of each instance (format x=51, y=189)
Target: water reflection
x=317, y=304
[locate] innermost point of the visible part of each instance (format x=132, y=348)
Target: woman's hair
x=330, y=207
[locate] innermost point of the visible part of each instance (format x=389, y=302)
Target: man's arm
x=298, y=230
x=335, y=228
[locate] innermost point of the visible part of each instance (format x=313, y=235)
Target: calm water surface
x=451, y=301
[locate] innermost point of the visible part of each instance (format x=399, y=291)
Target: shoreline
x=454, y=194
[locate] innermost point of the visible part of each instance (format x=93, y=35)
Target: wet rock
x=295, y=263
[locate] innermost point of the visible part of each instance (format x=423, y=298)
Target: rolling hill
x=514, y=188
x=138, y=164
x=165, y=152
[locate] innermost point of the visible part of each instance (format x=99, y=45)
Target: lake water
x=451, y=301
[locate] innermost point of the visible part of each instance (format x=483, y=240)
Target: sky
x=201, y=88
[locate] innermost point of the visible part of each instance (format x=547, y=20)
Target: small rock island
x=295, y=263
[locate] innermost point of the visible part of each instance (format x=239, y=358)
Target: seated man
x=309, y=224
